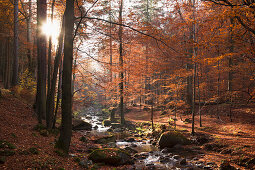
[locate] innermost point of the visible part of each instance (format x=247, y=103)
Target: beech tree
x=41, y=55
x=66, y=104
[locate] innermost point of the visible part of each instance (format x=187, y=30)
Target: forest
x=127, y=84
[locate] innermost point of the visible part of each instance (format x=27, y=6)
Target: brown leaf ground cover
x=32, y=150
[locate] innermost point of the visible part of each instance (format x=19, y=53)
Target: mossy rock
x=111, y=156
x=79, y=124
x=171, y=138
x=106, y=139
x=106, y=122
x=7, y=153
x=7, y=145
x=44, y=132
x=106, y=112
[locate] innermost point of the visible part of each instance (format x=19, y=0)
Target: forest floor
x=236, y=138
x=25, y=147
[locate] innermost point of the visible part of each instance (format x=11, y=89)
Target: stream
x=147, y=155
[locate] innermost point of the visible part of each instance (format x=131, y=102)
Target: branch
x=245, y=25
x=82, y=16
x=93, y=57
x=127, y=26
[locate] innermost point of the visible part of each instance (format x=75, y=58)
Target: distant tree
x=16, y=44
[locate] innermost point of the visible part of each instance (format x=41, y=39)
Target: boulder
x=106, y=139
x=107, y=122
x=171, y=138
x=130, y=140
x=79, y=124
x=130, y=150
x=111, y=156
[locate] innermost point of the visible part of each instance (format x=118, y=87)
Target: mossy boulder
x=79, y=124
x=111, y=156
x=171, y=138
x=106, y=139
x=107, y=122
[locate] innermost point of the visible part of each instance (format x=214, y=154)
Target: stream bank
x=142, y=145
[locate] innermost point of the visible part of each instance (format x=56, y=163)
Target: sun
x=51, y=29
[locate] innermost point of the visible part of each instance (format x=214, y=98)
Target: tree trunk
x=41, y=55
x=66, y=105
x=52, y=88
x=194, y=50
x=121, y=84
x=49, y=52
x=59, y=96
x=29, y=38
x=16, y=44
x=230, y=64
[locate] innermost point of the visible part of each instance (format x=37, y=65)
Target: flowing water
x=148, y=155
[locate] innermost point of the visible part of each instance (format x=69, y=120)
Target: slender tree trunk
x=59, y=96
x=195, y=69
x=199, y=98
x=110, y=13
x=121, y=74
x=66, y=105
x=29, y=37
x=41, y=55
x=49, y=51
x=7, y=70
x=230, y=64
x=152, y=113
x=16, y=44
x=52, y=88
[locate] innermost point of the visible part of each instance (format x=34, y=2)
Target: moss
x=2, y=159
x=33, y=150
x=106, y=111
x=112, y=156
x=171, y=138
x=44, y=133
x=60, y=153
x=24, y=152
x=39, y=127
x=7, y=145
x=76, y=159
x=83, y=139
x=54, y=131
x=34, y=134
x=7, y=153
x=13, y=135
x=106, y=122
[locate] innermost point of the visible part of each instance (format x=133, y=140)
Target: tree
x=52, y=89
x=121, y=74
x=41, y=55
x=16, y=44
x=66, y=105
